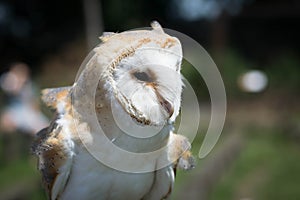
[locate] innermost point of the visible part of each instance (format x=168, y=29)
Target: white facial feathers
x=142, y=71
x=149, y=81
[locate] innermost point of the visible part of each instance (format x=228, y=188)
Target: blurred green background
x=258, y=154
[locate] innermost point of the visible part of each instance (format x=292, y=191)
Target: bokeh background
x=255, y=44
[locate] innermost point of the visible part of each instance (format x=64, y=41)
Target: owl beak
x=167, y=106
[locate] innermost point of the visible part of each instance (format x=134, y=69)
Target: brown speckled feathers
x=50, y=145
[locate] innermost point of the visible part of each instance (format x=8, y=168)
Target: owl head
x=140, y=70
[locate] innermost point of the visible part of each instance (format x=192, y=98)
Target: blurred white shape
x=22, y=111
x=9, y=82
x=192, y=10
x=253, y=81
x=195, y=9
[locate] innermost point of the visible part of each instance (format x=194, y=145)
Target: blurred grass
x=20, y=178
x=16, y=171
x=268, y=168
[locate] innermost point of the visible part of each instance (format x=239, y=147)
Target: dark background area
x=262, y=29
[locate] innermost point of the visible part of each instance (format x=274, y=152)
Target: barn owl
x=129, y=84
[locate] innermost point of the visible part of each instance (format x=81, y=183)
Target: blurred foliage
x=231, y=66
x=194, y=78
x=283, y=72
x=123, y=15
x=268, y=168
x=20, y=178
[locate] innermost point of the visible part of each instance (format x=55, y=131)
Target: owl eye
x=142, y=76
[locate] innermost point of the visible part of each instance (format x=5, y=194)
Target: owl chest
x=90, y=179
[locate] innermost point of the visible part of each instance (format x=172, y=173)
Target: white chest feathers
x=90, y=179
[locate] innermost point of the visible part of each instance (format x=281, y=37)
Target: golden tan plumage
x=53, y=153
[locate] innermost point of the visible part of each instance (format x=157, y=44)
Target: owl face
x=140, y=71
x=149, y=82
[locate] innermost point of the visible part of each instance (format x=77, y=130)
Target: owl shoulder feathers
x=53, y=145
x=179, y=152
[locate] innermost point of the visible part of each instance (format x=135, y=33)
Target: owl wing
x=179, y=152
x=53, y=149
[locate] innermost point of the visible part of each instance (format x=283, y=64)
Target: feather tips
x=52, y=96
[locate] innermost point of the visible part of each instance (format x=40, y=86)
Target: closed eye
x=142, y=76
